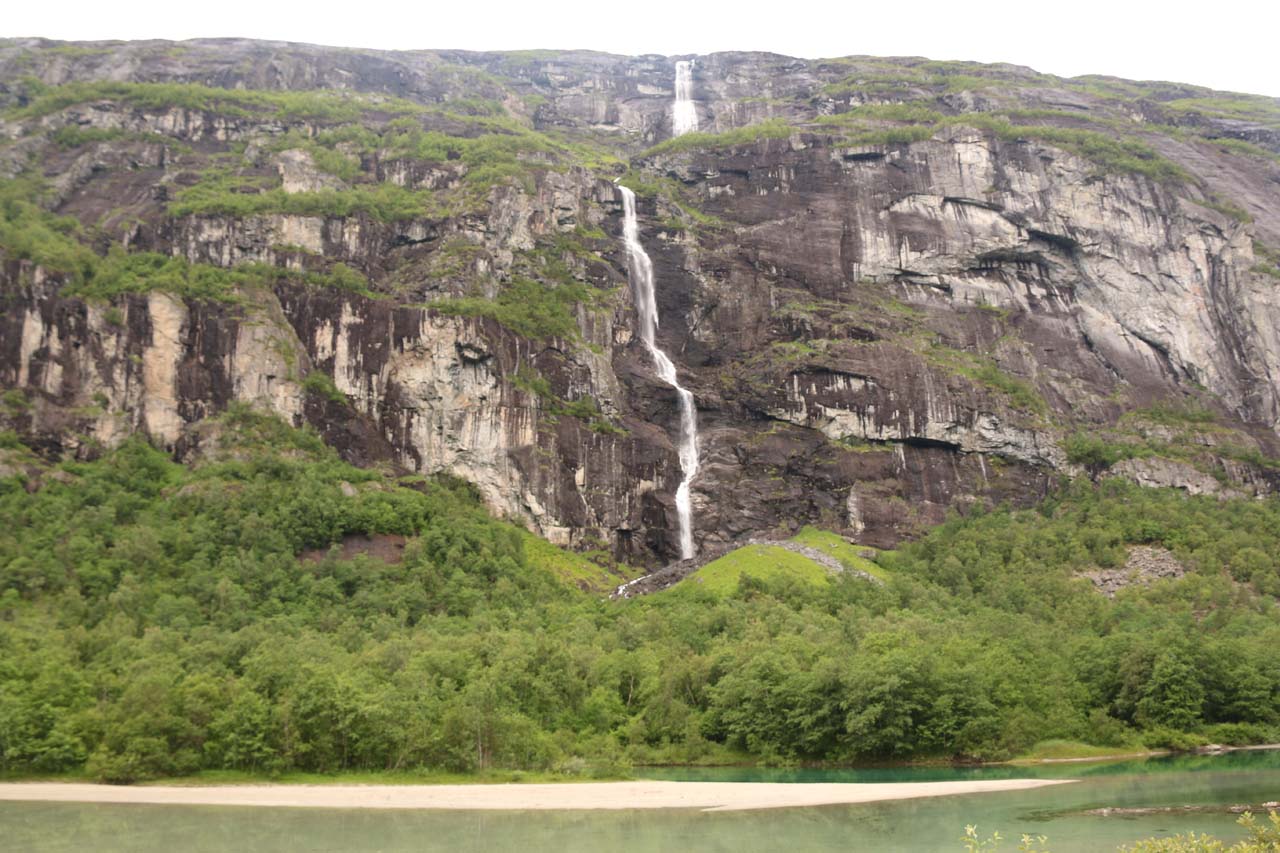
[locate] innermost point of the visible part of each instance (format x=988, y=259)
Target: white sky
x=1226, y=45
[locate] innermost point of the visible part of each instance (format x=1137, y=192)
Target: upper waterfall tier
x=684, y=115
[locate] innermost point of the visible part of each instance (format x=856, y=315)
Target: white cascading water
x=641, y=273
x=684, y=115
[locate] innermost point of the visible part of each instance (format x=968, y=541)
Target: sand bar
x=708, y=796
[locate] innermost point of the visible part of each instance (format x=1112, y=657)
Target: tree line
x=156, y=620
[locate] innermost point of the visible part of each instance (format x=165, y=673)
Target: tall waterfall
x=684, y=116
x=640, y=269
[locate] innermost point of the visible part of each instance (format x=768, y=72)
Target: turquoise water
x=920, y=825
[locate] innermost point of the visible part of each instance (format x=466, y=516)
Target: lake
x=913, y=825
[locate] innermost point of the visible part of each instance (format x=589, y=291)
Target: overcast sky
x=1225, y=45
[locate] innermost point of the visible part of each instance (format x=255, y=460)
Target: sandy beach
x=707, y=796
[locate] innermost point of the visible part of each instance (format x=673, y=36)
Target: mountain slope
x=893, y=286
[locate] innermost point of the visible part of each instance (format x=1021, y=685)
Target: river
x=915, y=825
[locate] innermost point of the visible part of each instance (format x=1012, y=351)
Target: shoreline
x=1084, y=759
x=577, y=796
x=1152, y=753
x=1010, y=762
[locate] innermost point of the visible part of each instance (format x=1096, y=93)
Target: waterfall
x=640, y=270
x=684, y=115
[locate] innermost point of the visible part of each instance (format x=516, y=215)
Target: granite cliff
x=894, y=287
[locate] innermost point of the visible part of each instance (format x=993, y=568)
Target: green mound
x=761, y=562
x=774, y=563
x=836, y=545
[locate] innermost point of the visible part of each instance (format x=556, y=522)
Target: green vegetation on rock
x=1185, y=432
x=318, y=104
x=29, y=232
x=584, y=408
x=1114, y=147
x=1268, y=260
x=531, y=308
x=230, y=195
x=1110, y=154
x=700, y=141
x=852, y=556
x=1240, y=107
x=322, y=385
x=983, y=370
x=72, y=136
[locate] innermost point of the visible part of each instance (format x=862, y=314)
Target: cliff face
x=893, y=287
x=423, y=392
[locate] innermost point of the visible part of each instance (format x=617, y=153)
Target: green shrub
x=1112, y=153
x=983, y=370
x=1182, y=413
x=888, y=136
x=29, y=232
x=120, y=273
x=72, y=136
x=528, y=379
x=1239, y=734
x=585, y=408
x=489, y=158
x=1161, y=737
x=14, y=401
x=912, y=113
x=321, y=384
x=336, y=163
x=1096, y=453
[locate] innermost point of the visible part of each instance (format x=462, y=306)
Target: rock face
x=425, y=392
x=877, y=328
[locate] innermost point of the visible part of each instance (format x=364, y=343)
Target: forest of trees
x=156, y=620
